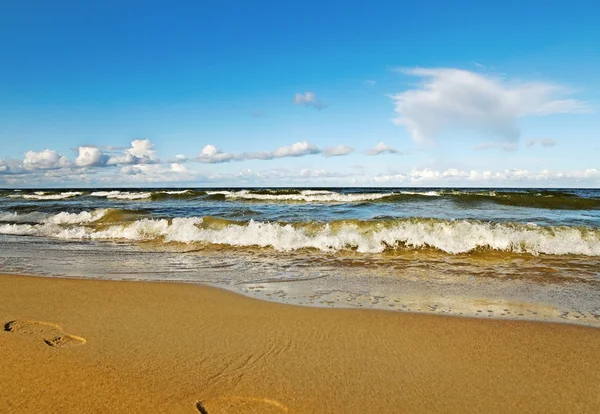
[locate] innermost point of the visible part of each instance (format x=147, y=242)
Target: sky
x=312, y=93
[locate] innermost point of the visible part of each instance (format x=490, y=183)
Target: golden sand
x=103, y=346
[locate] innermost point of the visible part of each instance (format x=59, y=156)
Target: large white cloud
x=44, y=160
x=90, y=157
x=140, y=152
x=460, y=99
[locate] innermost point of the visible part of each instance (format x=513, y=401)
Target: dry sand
x=101, y=346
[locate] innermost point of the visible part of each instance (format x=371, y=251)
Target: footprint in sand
x=232, y=405
x=52, y=334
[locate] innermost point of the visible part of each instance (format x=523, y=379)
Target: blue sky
x=121, y=93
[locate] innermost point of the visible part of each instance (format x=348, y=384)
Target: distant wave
x=374, y=236
x=121, y=195
x=311, y=196
x=462, y=198
x=42, y=195
x=147, y=195
x=548, y=199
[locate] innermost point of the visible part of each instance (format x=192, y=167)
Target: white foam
x=453, y=237
x=311, y=196
x=40, y=195
x=33, y=217
x=175, y=192
x=422, y=193
x=21, y=230
x=121, y=195
x=76, y=218
x=63, y=218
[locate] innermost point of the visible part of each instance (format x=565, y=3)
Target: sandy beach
x=105, y=346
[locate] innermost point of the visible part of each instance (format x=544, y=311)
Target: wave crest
x=311, y=196
x=376, y=236
x=41, y=195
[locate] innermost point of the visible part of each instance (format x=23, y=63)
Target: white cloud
x=211, y=155
x=337, y=151
x=370, y=82
x=382, y=148
x=142, y=150
x=122, y=159
x=298, y=149
x=309, y=99
x=90, y=157
x=460, y=99
x=44, y=160
x=11, y=167
x=544, y=142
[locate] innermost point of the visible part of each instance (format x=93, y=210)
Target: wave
x=375, y=236
x=421, y=193
x=147, y=195
x=311, y=196
x=462, y=198
x=546, y=199
x=42, y=195
x=62, y=218
x=121, y=195
x=177, y=195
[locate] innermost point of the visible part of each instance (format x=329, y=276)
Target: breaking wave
x=62, y=218
x=311, y=196
x=146, y=195
x=42, y=195
x=375, y=236
x=121, y=195
x=546, y=199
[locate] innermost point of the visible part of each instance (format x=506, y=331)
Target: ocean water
x=495, y=253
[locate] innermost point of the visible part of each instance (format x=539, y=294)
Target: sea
x=525, y=254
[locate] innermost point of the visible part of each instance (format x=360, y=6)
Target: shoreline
x=187, y=347
x=340, y=305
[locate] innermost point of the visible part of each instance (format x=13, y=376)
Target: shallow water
x=503, y=253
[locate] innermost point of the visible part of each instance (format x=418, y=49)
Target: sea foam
x=121, y=195
x=450, y=236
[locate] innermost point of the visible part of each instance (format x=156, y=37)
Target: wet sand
x=106, y=346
